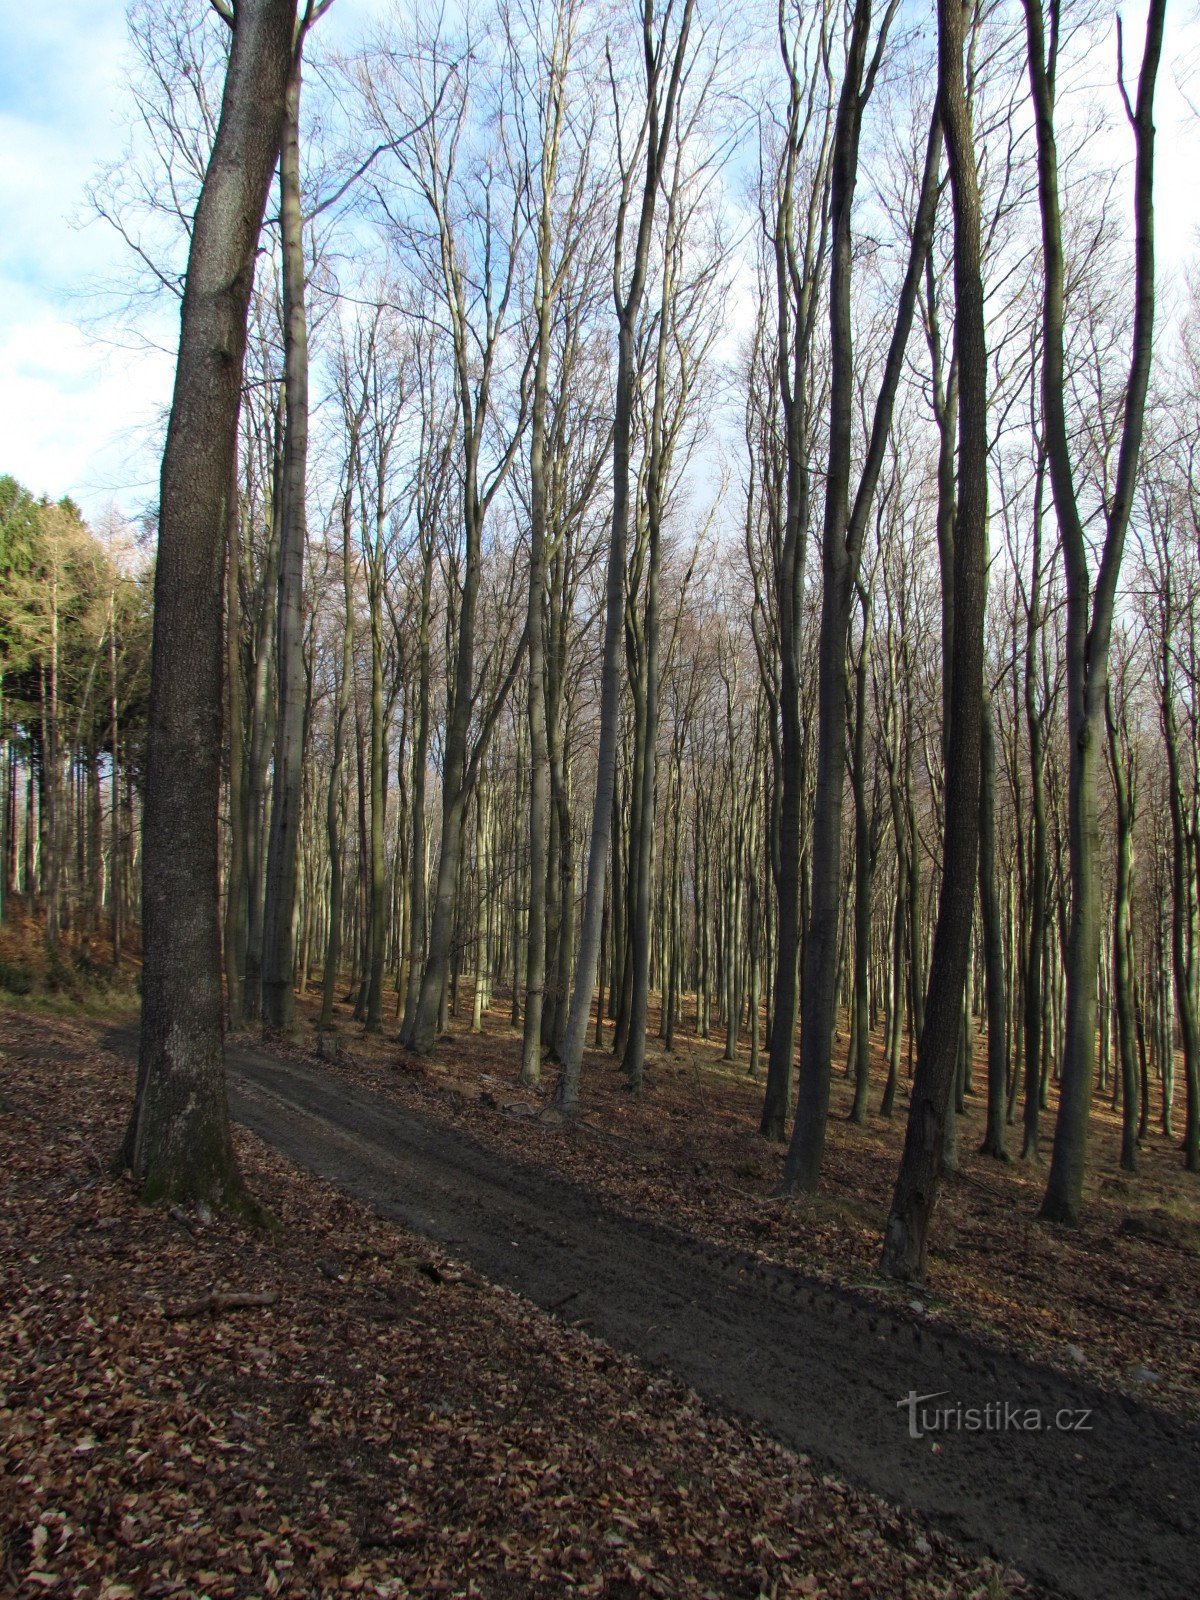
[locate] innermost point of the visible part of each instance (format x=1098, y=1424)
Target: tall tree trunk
x=235, y=690
x=278, y=1000
x=377, y=871
x=52, y=830
x=1038, y=887
x=1089, y=614
x=178, y=1143
x=455, y=782
x=993, y=945
x=335, y=800
x=1123, y=942
x=841, y=552
x=535, y=628
x=660, y=118
x=860, y=1054
x=917, y=1181
x=1183, y=892
x=114, y=791
x=262, y=712
x=418, y=882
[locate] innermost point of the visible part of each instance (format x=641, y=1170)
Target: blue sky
x=78, y=413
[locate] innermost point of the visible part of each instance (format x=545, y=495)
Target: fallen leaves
x=217, y=1301
x=686, y=1153
x=393, y=1426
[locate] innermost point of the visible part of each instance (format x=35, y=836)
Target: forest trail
x=1110, y=1511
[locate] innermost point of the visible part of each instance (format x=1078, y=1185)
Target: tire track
x=1112, y=1511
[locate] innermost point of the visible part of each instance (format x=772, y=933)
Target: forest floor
x=392, y=1423
x=1116, y=1299
x=649, y=1224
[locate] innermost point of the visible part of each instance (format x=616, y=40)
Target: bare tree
x=178, y=1141
x=278, y=1006
x=665, y=57
x=937, y=1059
x=845, y=524
x=464, y=231
x=1089, y=608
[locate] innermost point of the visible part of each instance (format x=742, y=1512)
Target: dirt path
x=1113, y=1510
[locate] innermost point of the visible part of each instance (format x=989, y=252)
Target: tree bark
x=993, y=946
x=1130, y=1084
x=178, y=1144
x=842, y=540
x=920, y=1167
x=1089, y=615
x=660, y=118
x=278, y=999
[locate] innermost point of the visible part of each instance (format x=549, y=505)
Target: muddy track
x=1110, y=1511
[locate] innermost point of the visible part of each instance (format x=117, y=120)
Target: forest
x=657, y=697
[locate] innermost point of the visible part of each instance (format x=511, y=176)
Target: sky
x=80, y=412
x=76, y=413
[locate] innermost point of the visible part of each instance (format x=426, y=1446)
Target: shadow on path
x=1101, y=1500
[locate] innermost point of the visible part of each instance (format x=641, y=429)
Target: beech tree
x=178, y=1142
x=287, y=785
x=844, y=529
x=535, y=697
x=642, y=154
x=1089, y=608
x=937, y=1059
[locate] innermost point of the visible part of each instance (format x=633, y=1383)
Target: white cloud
x=76, y=416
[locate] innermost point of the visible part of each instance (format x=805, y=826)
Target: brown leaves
x=218, y=1301
x=686, y=1153
x=393, y=1426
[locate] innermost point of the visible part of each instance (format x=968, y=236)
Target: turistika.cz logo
x=996, y=1416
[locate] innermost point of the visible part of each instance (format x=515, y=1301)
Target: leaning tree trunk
x=178, y=1142
x=920, y=1166
x=1089, y=615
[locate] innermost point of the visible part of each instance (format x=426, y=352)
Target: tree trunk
x=1127, y=1075
x=1182, y=914
x=278, y=1000
x=860, y=1054
x=920, y=1166
x=842, y=539
x=178, y=1144
x=1089, y=614
x=659, y=132
x=993, y=945
x=335, y=799
x=235, y=883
